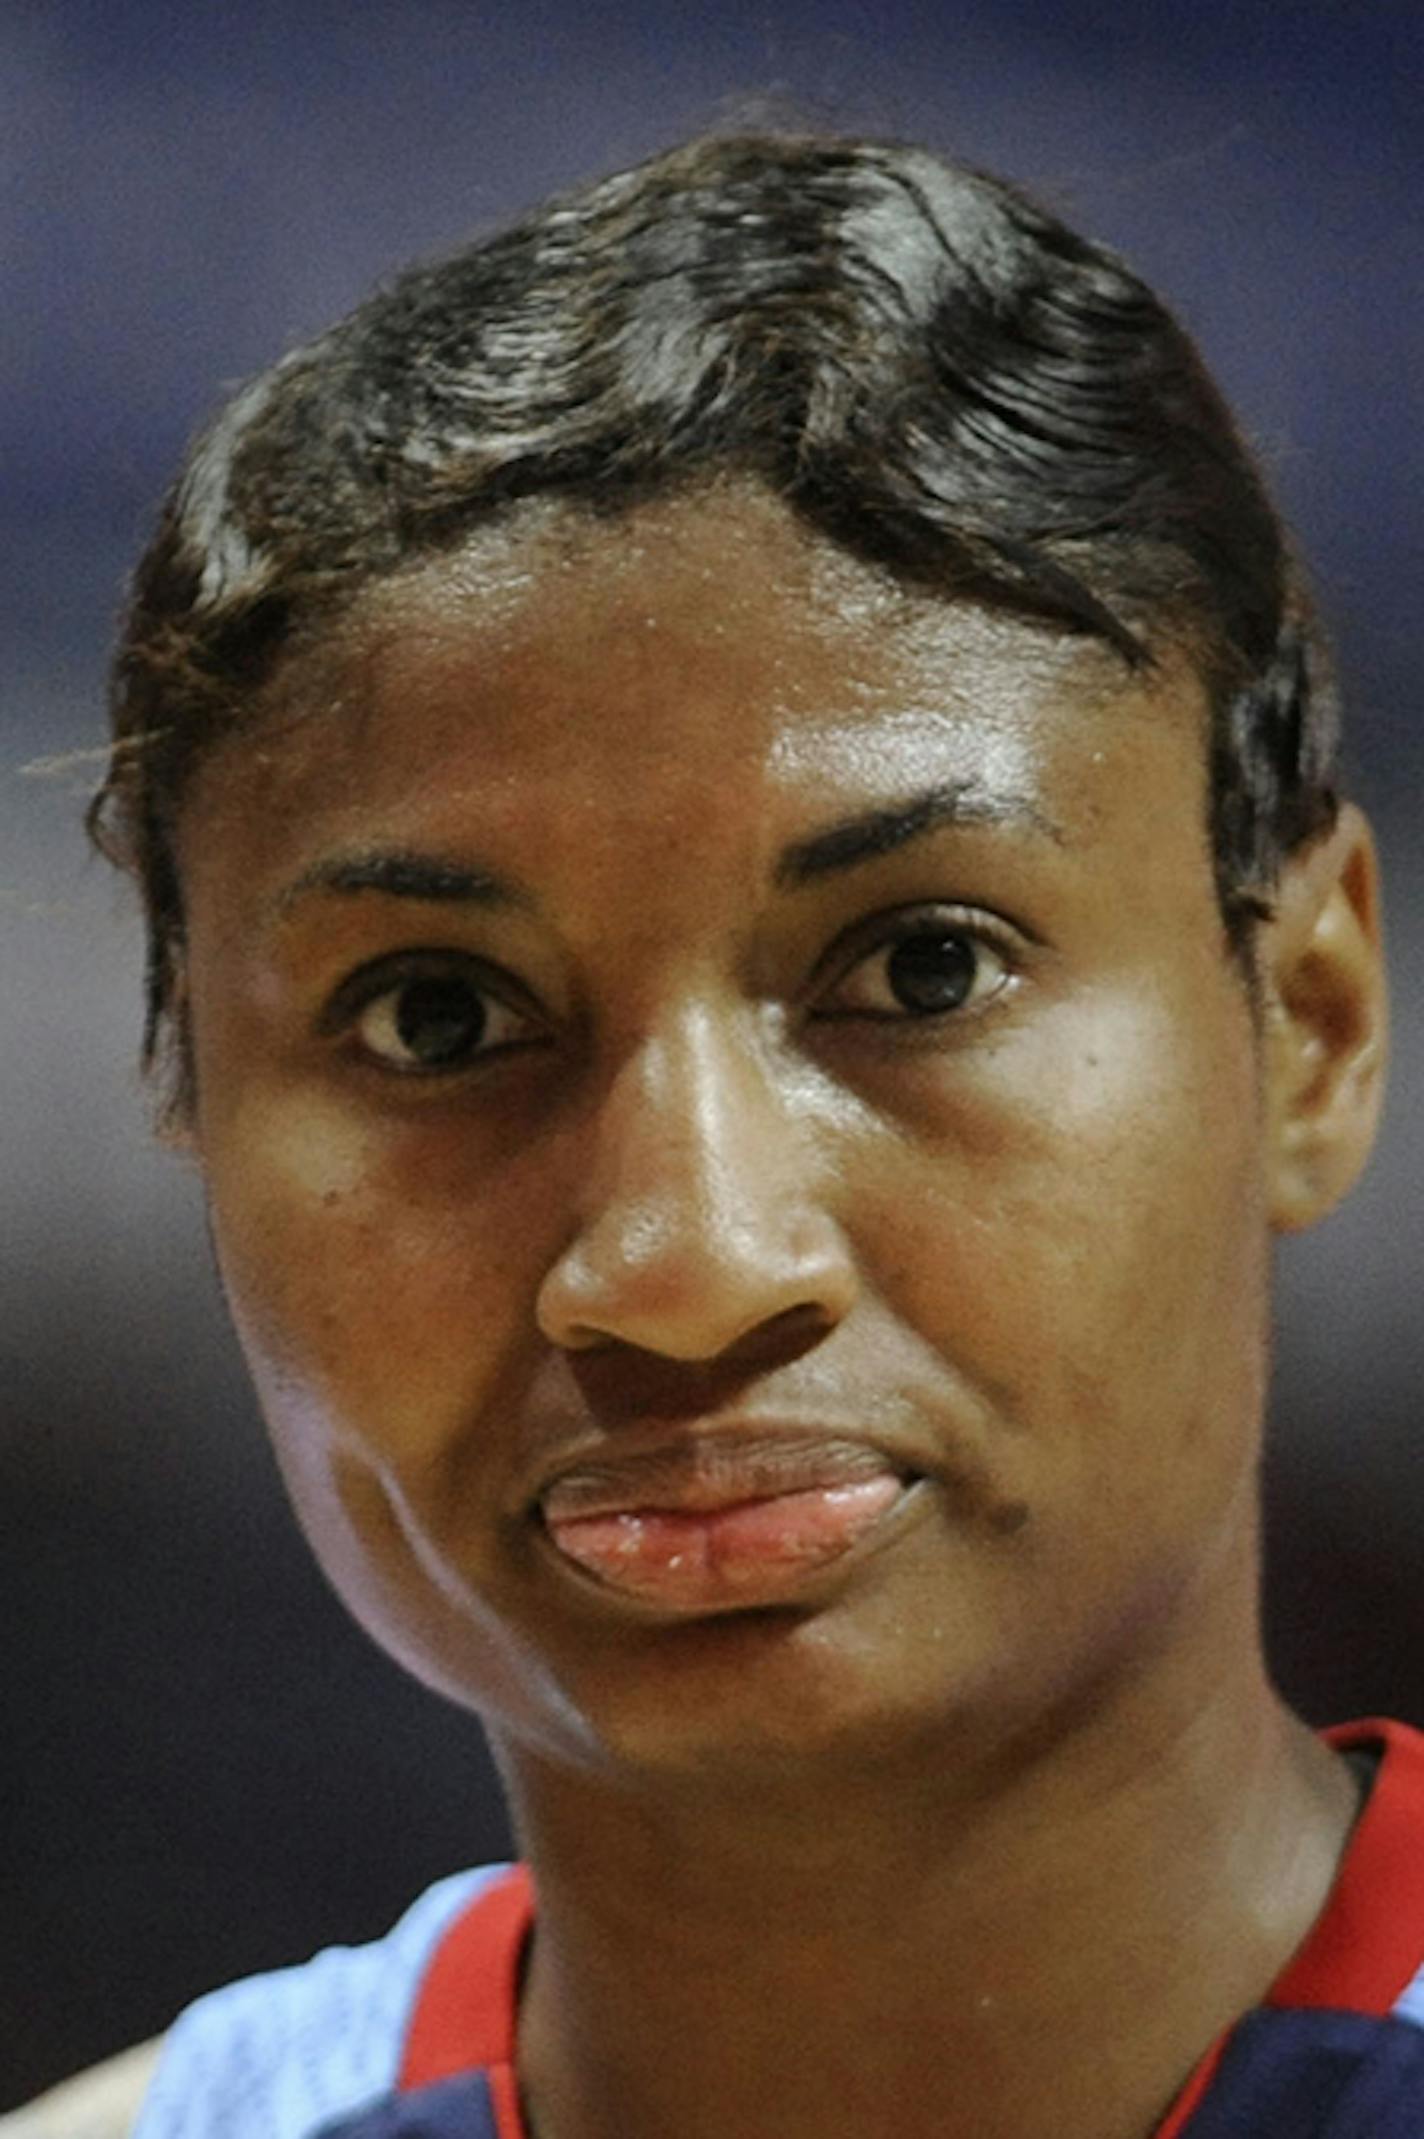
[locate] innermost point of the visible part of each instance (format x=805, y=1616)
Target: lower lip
x=747, y=1553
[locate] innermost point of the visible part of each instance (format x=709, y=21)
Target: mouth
x=722, y=1521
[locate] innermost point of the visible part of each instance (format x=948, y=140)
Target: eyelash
x=885, y=933
x=879, y=936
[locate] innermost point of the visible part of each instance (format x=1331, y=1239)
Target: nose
x=700, y=1218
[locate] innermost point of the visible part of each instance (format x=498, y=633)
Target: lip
x=725, y=1519
x=709, y=1470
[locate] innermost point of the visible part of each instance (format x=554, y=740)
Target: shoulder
x=274, y=2056
x=101, y=2104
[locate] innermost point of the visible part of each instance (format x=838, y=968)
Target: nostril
x=618, y=1381
x=787, y=1334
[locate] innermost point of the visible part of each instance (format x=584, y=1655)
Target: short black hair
x=921, y=362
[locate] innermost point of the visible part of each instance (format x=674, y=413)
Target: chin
x=757, y=1697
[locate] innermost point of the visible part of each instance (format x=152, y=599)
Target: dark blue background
x=204, y=1769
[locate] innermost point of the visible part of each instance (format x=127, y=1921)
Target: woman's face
x=733, y=1142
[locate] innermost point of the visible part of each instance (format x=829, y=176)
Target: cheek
x=1083, y=1236
x=375, y=1297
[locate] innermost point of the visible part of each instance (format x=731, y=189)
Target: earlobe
x=1325, y=1023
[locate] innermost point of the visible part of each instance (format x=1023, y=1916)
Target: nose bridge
x=688, y=1110
x=700, y=1212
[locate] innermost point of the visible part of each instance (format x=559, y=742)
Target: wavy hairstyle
x=926, y=366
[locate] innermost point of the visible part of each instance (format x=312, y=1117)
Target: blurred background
x=203, y=1769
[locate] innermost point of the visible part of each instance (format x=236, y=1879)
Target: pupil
x=933, y=972
x=439, y=1020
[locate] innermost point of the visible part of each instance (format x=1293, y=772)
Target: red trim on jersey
x=1363, y=1951
x=463, y=2017
x=1360, y=1956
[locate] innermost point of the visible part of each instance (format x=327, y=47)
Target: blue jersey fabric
x=452, y=2109
x=1317, y=2075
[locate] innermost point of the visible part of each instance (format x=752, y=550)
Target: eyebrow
x=865, y=838
x=403, y=873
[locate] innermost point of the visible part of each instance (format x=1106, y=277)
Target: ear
x=1321, y=972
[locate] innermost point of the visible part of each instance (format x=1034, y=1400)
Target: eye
x=925, y=966
x=422, y=1019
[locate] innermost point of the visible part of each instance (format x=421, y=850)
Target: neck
x=989, y=1942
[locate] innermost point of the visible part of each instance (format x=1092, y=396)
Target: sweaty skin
x=570, y=1109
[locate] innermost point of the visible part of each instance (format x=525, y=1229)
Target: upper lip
x=697, y=1470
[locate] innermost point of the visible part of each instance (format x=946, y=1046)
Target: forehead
x=710, y=641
